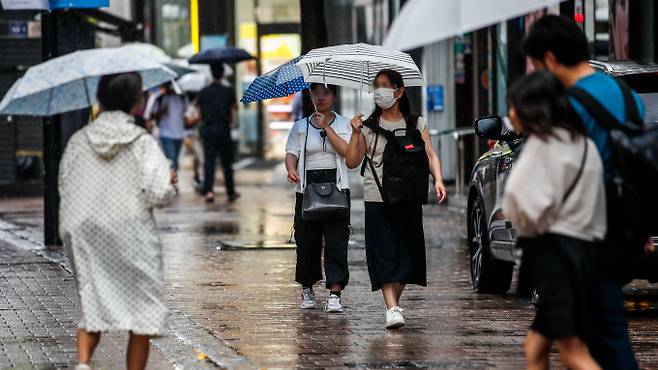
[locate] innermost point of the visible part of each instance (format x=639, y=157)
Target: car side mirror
x=489, y=127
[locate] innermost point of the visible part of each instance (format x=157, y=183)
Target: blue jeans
x=171, y=149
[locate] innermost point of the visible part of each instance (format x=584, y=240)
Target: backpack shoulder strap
x=412, y=123
x=598, y=111
x=632, y=111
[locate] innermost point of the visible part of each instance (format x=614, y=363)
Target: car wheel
x=488, y=274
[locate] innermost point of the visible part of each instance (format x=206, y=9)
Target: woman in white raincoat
x=111, y=177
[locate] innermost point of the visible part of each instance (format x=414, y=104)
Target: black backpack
x=405, y=176
x=634, y=194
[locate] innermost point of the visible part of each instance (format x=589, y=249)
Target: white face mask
x=384, y=97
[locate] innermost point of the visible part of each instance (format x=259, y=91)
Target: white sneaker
x=394, y=318
x=83, y=367
x=308, y=299
x=333, y=304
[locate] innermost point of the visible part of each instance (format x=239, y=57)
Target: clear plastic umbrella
x=69, y=82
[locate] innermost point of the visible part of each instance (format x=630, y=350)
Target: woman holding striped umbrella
x=395, y=241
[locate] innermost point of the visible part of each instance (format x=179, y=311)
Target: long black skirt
x=395, y=244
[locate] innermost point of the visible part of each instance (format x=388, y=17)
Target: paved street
x=230, y=281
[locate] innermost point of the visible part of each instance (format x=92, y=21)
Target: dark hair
x=121, y=91
x=333, y=88
x=541, y=104
x=560, y=35
x=217, y=71
x=395, y=78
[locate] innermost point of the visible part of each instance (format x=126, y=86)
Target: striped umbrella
x=355, y=65
x=285, y=80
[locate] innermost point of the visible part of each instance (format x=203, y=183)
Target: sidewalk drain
x=420, y=365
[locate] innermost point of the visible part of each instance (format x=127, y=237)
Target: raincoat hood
x=111, y=132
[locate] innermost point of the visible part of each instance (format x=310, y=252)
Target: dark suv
x=491, y=238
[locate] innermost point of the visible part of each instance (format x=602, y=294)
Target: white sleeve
x=530, y=196
x=293, y=146
x=156, y=173
x=421, y=125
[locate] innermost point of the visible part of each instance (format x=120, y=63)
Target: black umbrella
x=221, y=55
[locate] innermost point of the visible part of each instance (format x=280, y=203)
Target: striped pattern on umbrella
x=355, y=65
x=285, y=80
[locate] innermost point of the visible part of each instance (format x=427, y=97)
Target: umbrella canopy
x=355, y=65
x=285, y=80
x=148, y=50
x=221, y=55
x=158, y=55
x=69, y=82
x=422, y=22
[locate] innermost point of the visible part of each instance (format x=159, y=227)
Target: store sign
x=435, y=98
x=52, y=4
x=25, y=4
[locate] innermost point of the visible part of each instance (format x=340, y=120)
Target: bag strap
x=412, y=123
x=632, y=111
x=372, y=168
x=598, y=111
x=566, y=195
x=305, y=141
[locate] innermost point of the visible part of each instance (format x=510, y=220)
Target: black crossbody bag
x=323, y=201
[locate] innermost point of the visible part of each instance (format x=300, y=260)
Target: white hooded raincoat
x=111, y=177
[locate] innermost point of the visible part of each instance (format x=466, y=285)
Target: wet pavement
x=234, y=303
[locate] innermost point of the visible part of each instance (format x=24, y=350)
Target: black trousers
x=217, y=142
x=309, y=237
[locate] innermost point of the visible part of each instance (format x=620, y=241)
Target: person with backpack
x=398, y=161
x=315, y=160
x=555, y=198
x=559, y=45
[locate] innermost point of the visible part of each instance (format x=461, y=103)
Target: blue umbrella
x=221, y=55
x=285, y=80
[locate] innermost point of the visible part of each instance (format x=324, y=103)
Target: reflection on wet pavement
x=249, y=297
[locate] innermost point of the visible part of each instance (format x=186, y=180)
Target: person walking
x=395, y=240
x=169, y=112
x=315, y=153
x=555, y=198
x=112, y=175
x=558, y=44
x=218, y=107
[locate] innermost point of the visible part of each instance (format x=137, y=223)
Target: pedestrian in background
x=218, y=108
x=395, y=239
x=555, y=198
x=169, y=112
x=558, y=44
x=112, y=175
x=315, y=153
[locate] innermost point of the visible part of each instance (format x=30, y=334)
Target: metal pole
x=459, y=176
x=52, y=142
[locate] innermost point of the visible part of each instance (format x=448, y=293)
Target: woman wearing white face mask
x=398, y=147
x=315, y=154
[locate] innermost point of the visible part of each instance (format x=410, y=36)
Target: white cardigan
x=295, y=146
x=541, y=176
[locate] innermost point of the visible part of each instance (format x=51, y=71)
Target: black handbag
x=323, y=201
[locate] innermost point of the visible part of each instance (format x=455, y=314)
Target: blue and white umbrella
x=285, y=80
x=69, y=82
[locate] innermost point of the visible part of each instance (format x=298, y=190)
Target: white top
x=320, y=155
x=295, y=146
x=542, y=175
x=370, y=190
